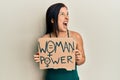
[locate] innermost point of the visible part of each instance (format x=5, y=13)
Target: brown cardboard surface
x=57, y=53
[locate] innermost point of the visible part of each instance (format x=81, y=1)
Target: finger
x=76, y=50
x=36, y=56
x=77, y=53
x=78, y=57
x=37, y=61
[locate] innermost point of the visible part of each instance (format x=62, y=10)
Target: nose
x=67, y=17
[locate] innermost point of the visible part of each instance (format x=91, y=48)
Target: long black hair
x=52, y=14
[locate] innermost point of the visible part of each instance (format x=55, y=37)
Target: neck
x=62, y=34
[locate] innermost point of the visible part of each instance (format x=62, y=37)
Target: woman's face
x=63, y=19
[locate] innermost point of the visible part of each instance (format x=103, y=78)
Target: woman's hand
x=78, y=55
x=37, y=57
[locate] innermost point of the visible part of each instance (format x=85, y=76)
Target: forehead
x=63, y=9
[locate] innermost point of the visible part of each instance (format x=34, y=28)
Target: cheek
x=60, y=22
x=60, y=19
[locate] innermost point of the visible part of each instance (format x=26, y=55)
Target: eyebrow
x=64, y=12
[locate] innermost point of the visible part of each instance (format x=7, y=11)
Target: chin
x=64, y=30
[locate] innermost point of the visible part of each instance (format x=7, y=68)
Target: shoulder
x=45, y=36
x=75, y=35
x=78, y=38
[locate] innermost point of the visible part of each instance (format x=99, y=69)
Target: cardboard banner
x=57, y=53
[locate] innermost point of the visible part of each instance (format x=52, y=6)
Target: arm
x=79, y=52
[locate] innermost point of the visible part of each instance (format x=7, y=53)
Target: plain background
x=22, y=22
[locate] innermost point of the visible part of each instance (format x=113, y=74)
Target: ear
x=52, y=20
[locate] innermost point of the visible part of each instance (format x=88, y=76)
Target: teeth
x=65, y=23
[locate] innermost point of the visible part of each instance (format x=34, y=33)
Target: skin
x=64, y=18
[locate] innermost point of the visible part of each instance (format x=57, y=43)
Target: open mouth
x=65, y=23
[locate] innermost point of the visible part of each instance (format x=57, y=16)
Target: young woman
x=57, y=19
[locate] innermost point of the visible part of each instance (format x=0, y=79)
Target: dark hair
x=52, y=13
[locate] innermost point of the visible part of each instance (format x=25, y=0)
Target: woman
x=57, y=19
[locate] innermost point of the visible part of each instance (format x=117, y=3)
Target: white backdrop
x=23, y=21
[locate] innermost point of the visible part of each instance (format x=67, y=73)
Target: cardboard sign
x=57, y=53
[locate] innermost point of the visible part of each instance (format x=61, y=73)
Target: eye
x=62, y=13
